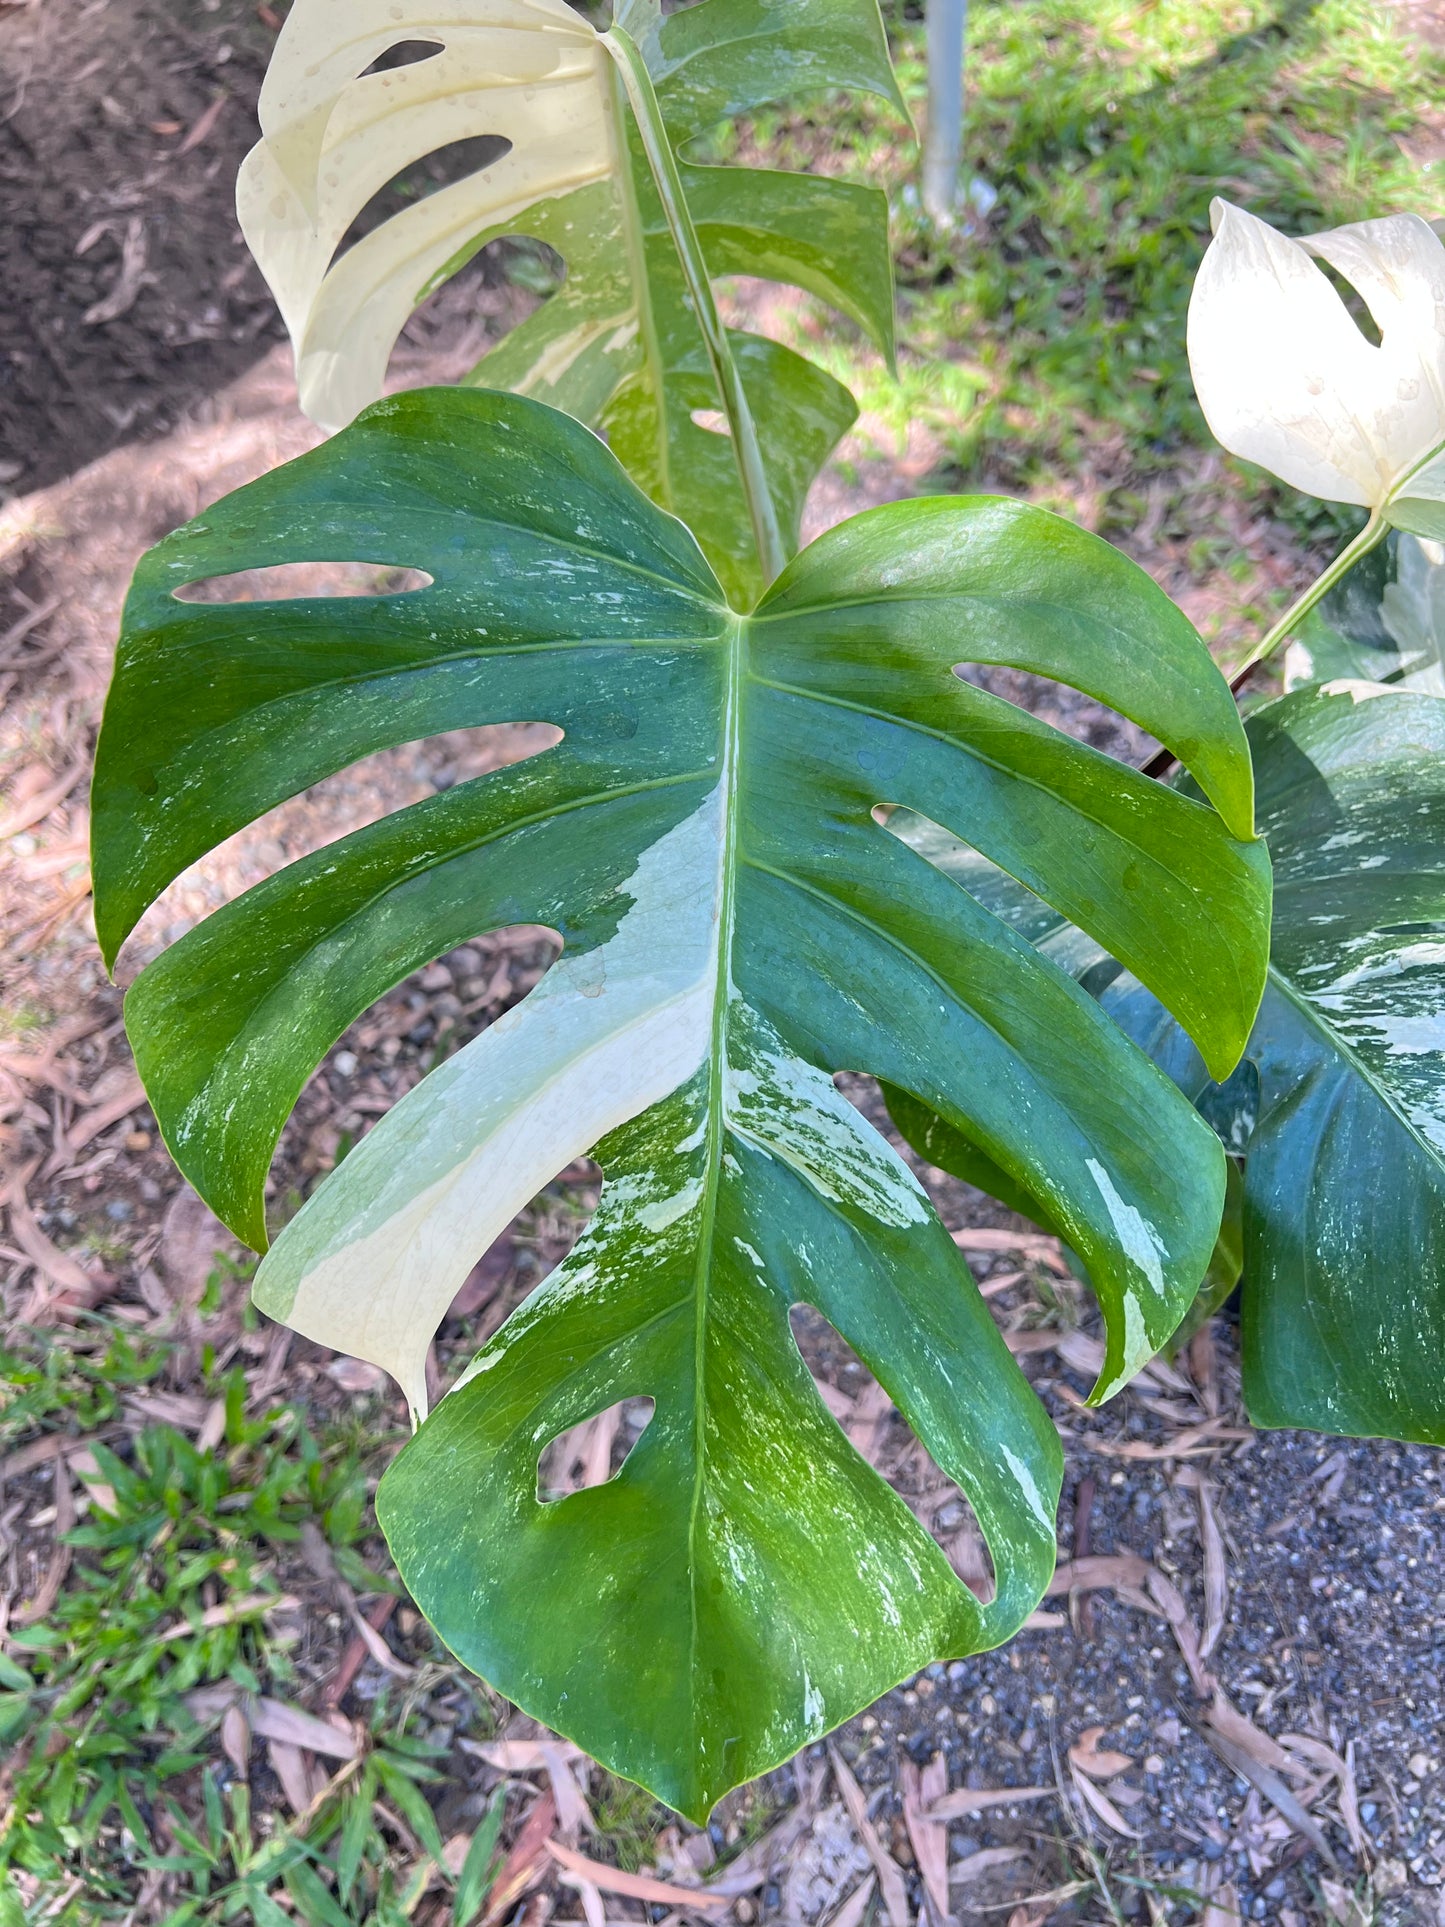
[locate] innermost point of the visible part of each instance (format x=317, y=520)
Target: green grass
x=1052, y=339
x=114, y=1789
x=117, y=1802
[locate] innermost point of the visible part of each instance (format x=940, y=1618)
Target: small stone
x=119, y=1209
x=24, y=845
x=355, y=1375
x=957, y=1671
x=435, y=977
x=137, y=1140
x=1153, y=1764
x=1276, y=1890
x=344, y=1063
x=1421, y=1765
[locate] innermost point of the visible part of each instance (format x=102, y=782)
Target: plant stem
x=1374, y=532
x=772, y=553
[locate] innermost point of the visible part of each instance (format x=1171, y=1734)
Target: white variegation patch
x=371, y=1263
x=790, y=1110
x=1390, y=1010
x=1139, y=1239
x=1287, y=379
x=1146, y=1252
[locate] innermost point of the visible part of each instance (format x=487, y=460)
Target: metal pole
x=943, y=145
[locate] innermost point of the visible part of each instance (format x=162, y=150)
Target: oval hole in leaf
x=291, y=581
x=405, y=53
x=879, y=1432
x=1354, y=302
x=352, y=797
x=592, y=1452
x=466, y=310
x=447, y=163
x=1068, y=710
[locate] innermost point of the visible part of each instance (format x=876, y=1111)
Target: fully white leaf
x=1286, y=377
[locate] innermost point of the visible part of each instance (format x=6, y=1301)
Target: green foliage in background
x=1046, y=344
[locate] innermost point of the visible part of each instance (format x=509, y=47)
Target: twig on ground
x=1080, y=1604
x=890, y=1877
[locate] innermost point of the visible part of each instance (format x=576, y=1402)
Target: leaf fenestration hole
x=469, y=305
x=592, y=1452
x=292, y=581
x=404, y=53
x=1066, y=709
x=443, y=166
x=877, y=1430
x=372, y=787
x=1355, y=303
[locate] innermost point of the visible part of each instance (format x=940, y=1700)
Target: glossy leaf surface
x=617, y=344
x=737, y=928
x=1339, y=1105
x=1345, y=1213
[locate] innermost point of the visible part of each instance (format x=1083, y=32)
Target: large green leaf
x=618, y=344
x=737, y=928
x=1339, y=1105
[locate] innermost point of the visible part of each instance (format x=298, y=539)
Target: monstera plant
x=745, y=839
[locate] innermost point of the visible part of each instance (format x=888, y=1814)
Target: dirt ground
x=1234, y=1703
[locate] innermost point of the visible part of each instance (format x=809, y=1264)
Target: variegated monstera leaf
x=1338, y=1108
x=618, y=344
x=737, y=928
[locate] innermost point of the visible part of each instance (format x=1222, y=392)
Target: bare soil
x=128, y=291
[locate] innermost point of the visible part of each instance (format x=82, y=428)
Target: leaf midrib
x=716, y=1118
x=636, y=237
